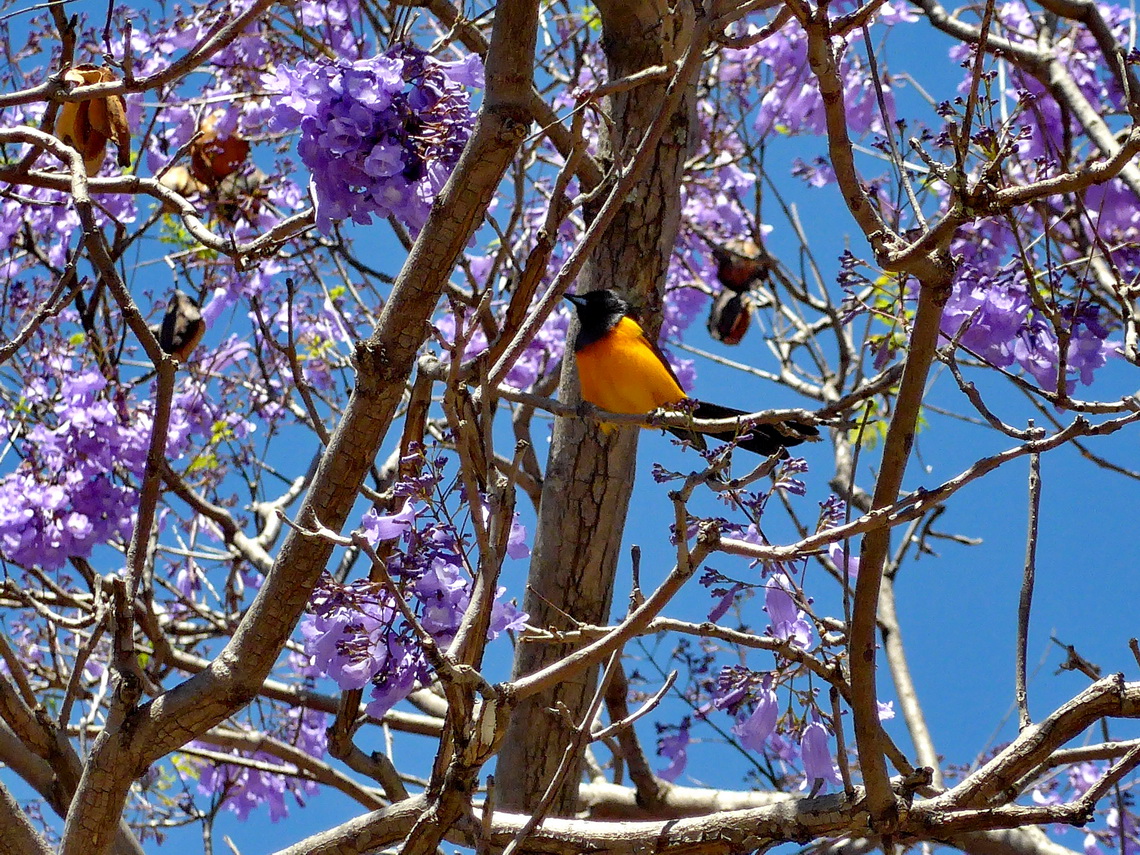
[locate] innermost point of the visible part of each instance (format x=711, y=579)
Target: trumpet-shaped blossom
x=380, y=136
x=815, y=754
x=789, y=623
x=753, y=731
x=674, y=746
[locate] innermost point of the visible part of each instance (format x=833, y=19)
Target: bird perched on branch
x=182, y=327
x=622, y=371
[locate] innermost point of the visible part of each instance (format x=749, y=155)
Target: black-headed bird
x=622, y=371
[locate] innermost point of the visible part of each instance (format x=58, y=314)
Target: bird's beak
x=580, y=302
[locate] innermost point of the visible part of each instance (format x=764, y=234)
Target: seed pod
x=214, y=158
x=86, y=126
x=730, y=316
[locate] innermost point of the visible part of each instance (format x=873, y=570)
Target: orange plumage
x=622, y=371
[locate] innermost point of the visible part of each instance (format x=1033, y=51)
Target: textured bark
x=589, y=476
x=16, y=831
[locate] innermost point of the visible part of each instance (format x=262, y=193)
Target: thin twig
x=1027, y=581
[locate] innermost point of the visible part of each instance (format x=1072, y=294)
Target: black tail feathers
x=765, y=439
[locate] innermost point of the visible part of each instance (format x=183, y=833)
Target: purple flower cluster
x=791, y=102
x=68, y=493
x=1120, y=831
x=994, y=316
x=799, y=744
x=542, y=356
x=243, y=788
x=74, y=487
x=380, y=135
x=763, y=726
x=1078, y=50
x=357, y=635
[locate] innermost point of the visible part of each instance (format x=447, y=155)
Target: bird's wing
x=660, y=354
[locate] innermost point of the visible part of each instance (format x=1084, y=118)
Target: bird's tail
x=765, y=439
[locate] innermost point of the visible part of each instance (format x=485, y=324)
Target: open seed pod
x=179, y=179
x=86, y=126
x=214, y=158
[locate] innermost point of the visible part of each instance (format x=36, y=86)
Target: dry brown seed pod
x=86, y=126
x=213, y=158
x=182, y=326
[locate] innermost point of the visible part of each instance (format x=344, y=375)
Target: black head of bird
x=598, y=313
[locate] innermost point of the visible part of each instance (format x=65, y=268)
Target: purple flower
x=379, y=527
x=346, y=634
x=754, y=730
x=467, y=71
x=892, y=13
x=516, y=540
x=444, y=593
x=844, y=559
x=675, y=746
x=380, y=136
x=403, y=666
x=992, y=314
x=244, y=788
x=505, y=616
x=788, y=621
x=71, y=491
x=815, y=753
x=725, y=602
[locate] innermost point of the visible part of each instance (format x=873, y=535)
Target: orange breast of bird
x=623, y=373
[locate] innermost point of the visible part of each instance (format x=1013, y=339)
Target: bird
x=740, y=264
x=622, y=371
x=182, y=327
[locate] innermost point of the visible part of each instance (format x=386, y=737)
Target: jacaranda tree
x=288, y=381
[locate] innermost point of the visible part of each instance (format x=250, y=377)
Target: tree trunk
x=589, y=476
